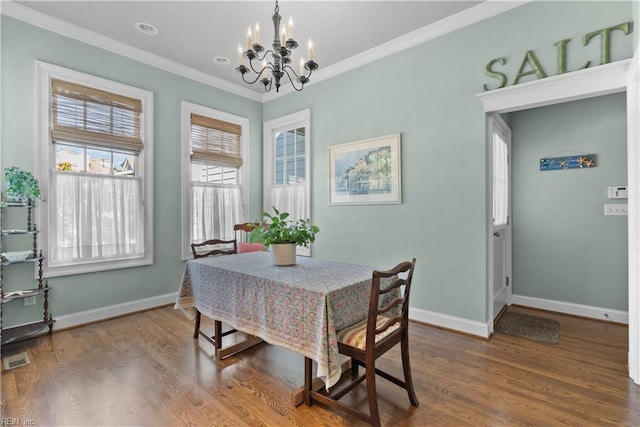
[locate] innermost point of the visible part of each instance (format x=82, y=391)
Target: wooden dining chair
x=367, y=340
x=242, y=231
x=242, y=236
x=213, y=247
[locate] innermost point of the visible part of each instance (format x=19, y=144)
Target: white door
x=501, y=177
x=501, y=294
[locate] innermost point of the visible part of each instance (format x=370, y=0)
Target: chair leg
x=217, y=334
x=354, y=367
x=406, y=367
x=308, y=384
x=197, y=325
x=372, y=396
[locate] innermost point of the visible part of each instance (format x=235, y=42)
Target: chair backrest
x=242, y=236
x=214, y=247
x=242, y=231
x=395, y=308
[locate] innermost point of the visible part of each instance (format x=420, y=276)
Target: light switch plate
x=619, y=192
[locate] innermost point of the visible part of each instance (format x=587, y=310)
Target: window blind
x=215, y=141
x=86, y=115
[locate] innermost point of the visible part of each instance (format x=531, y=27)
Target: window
x=94, y=161
x=501, y=139
x=290, y=156
x=214, y=170
x=286, y=167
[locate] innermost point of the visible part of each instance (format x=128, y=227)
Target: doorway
x=582, y=84
x=569, y=256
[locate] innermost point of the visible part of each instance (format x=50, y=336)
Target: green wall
x=427, y=93
x=564, y=248
x=22, y=44
x=636, y=19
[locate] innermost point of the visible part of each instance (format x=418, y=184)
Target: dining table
x=298, y=307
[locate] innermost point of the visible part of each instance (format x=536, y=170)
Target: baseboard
x=430, y=317
x=449, y=322
x=108, y=312
x=599, y=313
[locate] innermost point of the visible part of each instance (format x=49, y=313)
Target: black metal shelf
x=32, y=259
x=19, y=232
x=22, y=293
x=23, y=332
x=32, y=256
x=12, y=204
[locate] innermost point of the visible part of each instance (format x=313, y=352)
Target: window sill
x=68, y=270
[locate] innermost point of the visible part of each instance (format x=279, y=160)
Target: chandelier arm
x=286, y=71
x=257, y=58
x=253, y=69
x=310, y=72
x=251, y=82
x=265, y=52
x=292, y=71
x=306, y=76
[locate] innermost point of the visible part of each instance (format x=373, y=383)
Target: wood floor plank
x=146, y=370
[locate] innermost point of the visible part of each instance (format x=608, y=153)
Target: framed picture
x=365, y=172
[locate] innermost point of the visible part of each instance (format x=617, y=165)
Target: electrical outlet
x=30, y=300
x=616, y=209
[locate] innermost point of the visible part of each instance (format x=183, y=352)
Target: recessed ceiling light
x=221, y=60
x=147, y=29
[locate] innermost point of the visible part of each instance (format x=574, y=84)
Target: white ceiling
x=192, y=33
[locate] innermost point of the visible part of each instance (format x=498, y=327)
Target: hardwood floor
x=146, y=369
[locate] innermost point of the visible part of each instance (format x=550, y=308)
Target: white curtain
x=96, y=217
x=500, y=180
x=291, y=198
x=216, y=209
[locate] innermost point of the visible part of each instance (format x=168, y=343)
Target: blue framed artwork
x=365, y=172
x=583, y=161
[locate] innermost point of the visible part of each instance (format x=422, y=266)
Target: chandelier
x=269, y=73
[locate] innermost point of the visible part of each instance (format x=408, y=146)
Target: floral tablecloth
x=298, y=307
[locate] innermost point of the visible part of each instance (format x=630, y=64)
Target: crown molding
x=47, y=22
x=449, y=24
x=581, y=84
x=452, y=23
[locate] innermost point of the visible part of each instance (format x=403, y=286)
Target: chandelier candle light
x=271, y=72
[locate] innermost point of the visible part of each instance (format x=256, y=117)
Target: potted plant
x=283, y=234
x=20, y=185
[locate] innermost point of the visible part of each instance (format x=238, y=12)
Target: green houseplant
x=20, y=185
x=283, y=234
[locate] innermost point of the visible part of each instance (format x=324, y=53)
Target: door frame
x=620, y=76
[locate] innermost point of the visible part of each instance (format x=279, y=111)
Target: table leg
x=216, y=340
x=298, y=395
x=223, y=352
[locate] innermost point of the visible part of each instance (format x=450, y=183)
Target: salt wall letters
x=530, y=64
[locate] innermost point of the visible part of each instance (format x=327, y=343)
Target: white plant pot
x=283, y=253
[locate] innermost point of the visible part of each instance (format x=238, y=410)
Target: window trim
x=270, y=129
x=243, y=176
x=44, y=151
